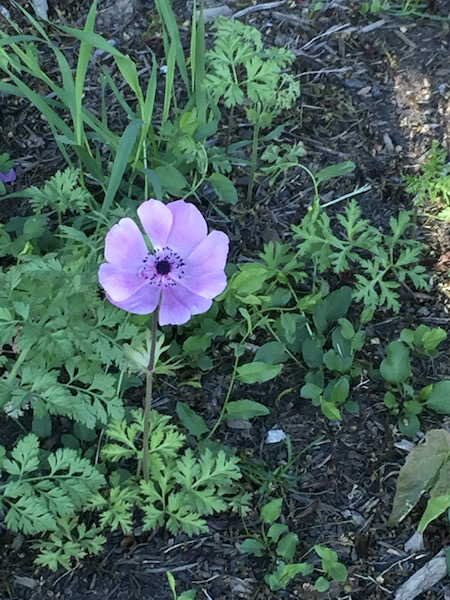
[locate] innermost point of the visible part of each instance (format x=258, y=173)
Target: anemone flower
x=182, y=273
x=8, y=177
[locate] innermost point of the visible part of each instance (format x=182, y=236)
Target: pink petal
x=143, y=302
x=204, y=273
x=125, y=246
x=156, y=219
x=179, y=304
x=188, y=228
x=118, y=283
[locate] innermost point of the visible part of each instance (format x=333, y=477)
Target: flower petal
x=204, y=273
x=143, y=302
x=188, y=227
x=156, y=219
x=125, y=246
x=118, y=283
x=179, y=304
x=8, y=177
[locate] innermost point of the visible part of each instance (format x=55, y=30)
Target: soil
x=375, y=90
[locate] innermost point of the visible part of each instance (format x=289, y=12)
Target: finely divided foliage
x=70, y=358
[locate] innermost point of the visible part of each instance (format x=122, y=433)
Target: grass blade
x=82, y=66
x=124, y=150
x=170, y=24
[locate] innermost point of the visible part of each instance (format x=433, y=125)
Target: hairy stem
x=148, y=399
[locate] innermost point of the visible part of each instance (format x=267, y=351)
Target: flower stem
x=254, y=161
x=148, y=399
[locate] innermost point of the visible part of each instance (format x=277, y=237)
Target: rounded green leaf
x=396, y=367
x=258, y=372
x=439, y=400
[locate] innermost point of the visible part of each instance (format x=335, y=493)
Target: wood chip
x=424, y=579
x=258, y=7
x=403, y=37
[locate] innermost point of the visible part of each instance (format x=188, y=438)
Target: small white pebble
x=274, y=436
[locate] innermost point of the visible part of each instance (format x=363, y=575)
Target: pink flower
x=8, y=177
x=183, y=273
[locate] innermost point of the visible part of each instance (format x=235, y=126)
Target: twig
x=257, y=7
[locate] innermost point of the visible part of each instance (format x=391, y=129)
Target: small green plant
x=426, y=470
x=431, y=187
x=331, y=567
x=385, y=261
x=276, y=539
x=69, y=544
x=40, y=486
x=187, y=595
x=242, y=73
x=184, y=487
x=375, y=6
x=396, y=370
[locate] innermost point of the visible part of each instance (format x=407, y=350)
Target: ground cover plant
x=120, y=283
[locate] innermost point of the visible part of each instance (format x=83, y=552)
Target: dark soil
x=375, y=90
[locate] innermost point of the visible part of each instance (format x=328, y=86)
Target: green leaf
x=333, y=307
x=191, y=420
x=396, y=367
x=276, y=530
x=439, y=400
x=338, y=571
x=435, y=507
x=339, y=170
x=312, y=353
x=417, y=474
x=272, y=352
x=322, y=584
x=339, y=393
x=283, y=574
x=431, y=339
x=331, y=411
x=252, y=546
x=188, y=595
x=390, y=401
x=171, y=180
x=123, y=154
x=224, y=188
x=245, y=409
x=258, y=372
x=42, y=425
x=287, y=545
x=271, y=511
x=311, y=391
x=409, y=424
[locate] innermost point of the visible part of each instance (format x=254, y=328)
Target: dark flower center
x=163, y=267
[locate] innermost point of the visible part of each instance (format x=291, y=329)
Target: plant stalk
x=254, y=161
x=148, y=399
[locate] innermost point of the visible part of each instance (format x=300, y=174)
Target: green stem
x=227, y=397
x=254, y=161
x=148, y=399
